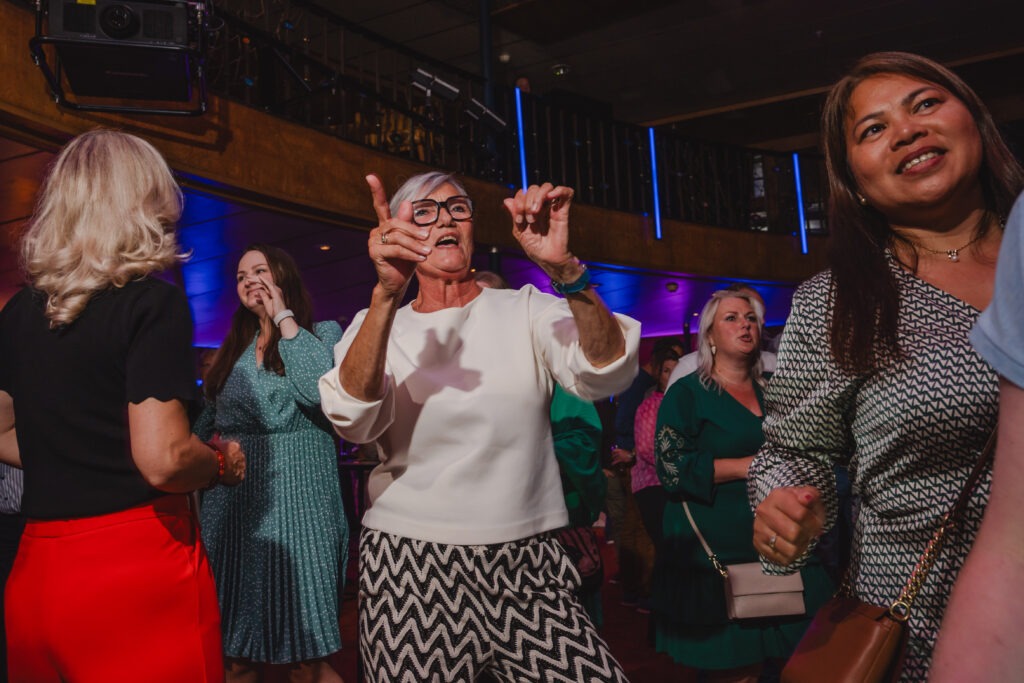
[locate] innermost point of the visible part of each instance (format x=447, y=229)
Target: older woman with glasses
x=459, y=571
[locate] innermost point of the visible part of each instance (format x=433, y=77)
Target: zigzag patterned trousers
x=449, y=613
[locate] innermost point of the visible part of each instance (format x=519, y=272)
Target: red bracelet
x=220, y=465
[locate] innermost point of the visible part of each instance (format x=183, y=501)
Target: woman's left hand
x=271, y=297
x=786, y=522
x=540, y=223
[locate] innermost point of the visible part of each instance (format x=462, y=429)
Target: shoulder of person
x=813, y=299
x=533, y=294
x=818, y=285
x=153, y=287
x=24, y=294
x=153, y=293
x=686, y=386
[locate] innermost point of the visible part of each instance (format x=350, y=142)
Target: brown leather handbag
x=850, y=641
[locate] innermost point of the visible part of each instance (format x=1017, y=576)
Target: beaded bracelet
x=221, y=465
x=581, y=283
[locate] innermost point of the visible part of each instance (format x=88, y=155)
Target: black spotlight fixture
x=150, y=56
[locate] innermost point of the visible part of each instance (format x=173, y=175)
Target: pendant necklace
x=952, y=254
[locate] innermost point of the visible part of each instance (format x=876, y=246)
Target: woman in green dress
x=709, y=427
x=277, y=545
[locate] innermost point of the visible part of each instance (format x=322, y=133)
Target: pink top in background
x=644, y=473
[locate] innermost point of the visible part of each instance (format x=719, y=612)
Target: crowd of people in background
x=164, y=543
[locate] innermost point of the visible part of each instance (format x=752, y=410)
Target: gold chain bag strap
x=850, y=641
x=749, y=592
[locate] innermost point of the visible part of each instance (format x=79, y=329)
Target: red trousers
x=124, y=597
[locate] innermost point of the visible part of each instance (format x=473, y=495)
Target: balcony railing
x=299, y=61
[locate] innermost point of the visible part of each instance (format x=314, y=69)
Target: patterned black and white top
x=909, y=433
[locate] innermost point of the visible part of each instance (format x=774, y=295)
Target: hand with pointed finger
x=397, y=244
x=786, y=522
x=540, y=223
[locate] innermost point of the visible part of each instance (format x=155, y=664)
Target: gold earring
x=862, y=199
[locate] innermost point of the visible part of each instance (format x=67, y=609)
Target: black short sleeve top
x=71, y=388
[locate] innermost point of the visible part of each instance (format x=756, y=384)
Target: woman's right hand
x=397, y=244
x=234, y=461
x=786, y=522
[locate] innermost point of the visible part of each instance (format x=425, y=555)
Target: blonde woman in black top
x=111, y=581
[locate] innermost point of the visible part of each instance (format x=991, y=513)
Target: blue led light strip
x=522, y=136
x=654, y=185
x=800, y=203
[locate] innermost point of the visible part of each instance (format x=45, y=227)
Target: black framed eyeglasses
x=427, y=211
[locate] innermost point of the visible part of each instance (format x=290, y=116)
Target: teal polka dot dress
x=278, y=541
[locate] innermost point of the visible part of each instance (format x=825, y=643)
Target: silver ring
x=383, y=237
x=771, y=541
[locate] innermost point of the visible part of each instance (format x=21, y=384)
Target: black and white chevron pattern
x=910, y=434
x=447, y=613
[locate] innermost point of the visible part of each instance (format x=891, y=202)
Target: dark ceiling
x=748, y=72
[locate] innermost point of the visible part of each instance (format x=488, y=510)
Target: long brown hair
x=865, y=305
x=245, y=324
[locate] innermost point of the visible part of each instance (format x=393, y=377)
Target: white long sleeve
x=463, y=427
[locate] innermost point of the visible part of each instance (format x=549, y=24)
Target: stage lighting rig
x=146, y=54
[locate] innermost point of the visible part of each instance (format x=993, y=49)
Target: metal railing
x=299, y=61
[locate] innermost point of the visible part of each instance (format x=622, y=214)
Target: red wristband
x=220, y=465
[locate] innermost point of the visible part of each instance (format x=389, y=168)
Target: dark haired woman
x=277, y=544
x=875, y=368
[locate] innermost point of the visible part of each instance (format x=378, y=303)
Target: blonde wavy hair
x=105, y=216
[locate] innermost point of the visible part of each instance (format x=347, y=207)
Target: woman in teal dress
x=278, y=544
x=709, y=427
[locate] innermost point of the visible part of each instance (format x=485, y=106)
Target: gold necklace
x=952, y=254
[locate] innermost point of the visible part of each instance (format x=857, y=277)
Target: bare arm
x=169, y=456
x=8, y=437
x=600, y=336
x=361, y=372
x=396, y=245
x=540, y=222
x=978, y=640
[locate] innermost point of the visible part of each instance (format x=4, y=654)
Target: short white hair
x=419, y=186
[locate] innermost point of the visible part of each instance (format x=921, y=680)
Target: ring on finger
x=383, y=237
x=771, y=541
